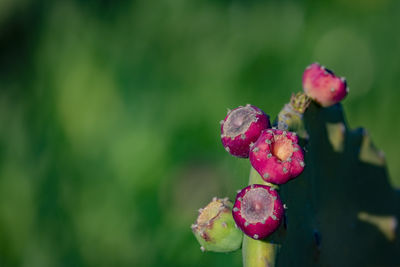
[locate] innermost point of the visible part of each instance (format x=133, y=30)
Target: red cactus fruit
x=241, y=128
x=258, y=211
x=323, y=86
x=276, y=156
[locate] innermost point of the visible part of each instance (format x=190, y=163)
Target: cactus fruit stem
x=259, y=253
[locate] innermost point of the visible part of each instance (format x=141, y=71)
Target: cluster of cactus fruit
x=276, y=157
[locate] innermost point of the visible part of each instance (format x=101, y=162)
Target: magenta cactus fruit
x=241, y=128
x=258, y=211
x=277, y=157
x=323, y=86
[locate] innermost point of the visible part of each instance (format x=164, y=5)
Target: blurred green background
x=109, y=111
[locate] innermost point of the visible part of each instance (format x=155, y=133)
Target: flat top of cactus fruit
x=257, y=205
x=282, y=147
x=239, y=121
x=210, y=212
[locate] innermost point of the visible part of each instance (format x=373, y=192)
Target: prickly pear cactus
x=340, y=211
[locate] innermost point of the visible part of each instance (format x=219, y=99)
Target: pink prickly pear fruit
x=258, y=211
x=241, y=128
x=215, y=228
x=323, y=86
x=277, y=156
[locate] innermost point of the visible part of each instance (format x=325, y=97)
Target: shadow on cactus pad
x=342, y=211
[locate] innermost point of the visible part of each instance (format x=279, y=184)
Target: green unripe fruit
x=215, y=228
